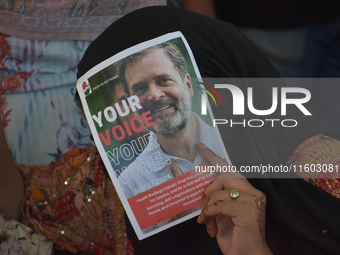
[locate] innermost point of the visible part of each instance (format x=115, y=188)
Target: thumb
x=215, y=160
x=175, y=170
x=210, y=156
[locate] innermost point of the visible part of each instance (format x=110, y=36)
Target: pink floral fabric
x=64, y=20
x=37, y=106
x=9, y=83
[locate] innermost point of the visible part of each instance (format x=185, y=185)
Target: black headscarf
x=297, y=211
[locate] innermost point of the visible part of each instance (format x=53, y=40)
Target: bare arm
x=11, y=183
x=205, y=7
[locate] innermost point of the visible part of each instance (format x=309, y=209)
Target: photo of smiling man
x=147, y=129
x=158, y=76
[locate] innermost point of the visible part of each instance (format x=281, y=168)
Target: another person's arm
x=239, y=225
x=11, y=183
x=205, y=7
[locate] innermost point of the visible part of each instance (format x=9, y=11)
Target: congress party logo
x=87, y=89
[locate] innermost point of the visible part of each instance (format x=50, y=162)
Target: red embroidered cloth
x=317, y=160
x=74, y=203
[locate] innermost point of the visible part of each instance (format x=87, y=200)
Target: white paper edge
x=98, y=143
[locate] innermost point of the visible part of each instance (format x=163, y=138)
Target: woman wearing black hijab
x=297, y=211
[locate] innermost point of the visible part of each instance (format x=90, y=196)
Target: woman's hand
x=238, y=224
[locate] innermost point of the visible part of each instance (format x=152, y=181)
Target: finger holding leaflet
x=227, y=197
x=175, y=170
x=233, y=212
x=240, y=224
x=224, y=180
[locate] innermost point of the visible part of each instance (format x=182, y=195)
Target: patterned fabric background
x=16, y=238
x=317, y=160
x=64, y=19
x=38, y=109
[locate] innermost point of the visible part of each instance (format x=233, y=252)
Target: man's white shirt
x=152, y=166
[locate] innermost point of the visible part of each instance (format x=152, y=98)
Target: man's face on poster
x=161, y=90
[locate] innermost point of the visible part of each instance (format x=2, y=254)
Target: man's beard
x=171, y=126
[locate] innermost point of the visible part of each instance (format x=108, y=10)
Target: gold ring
x=234, y=194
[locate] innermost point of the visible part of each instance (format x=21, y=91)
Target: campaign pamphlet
x=144, y=109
